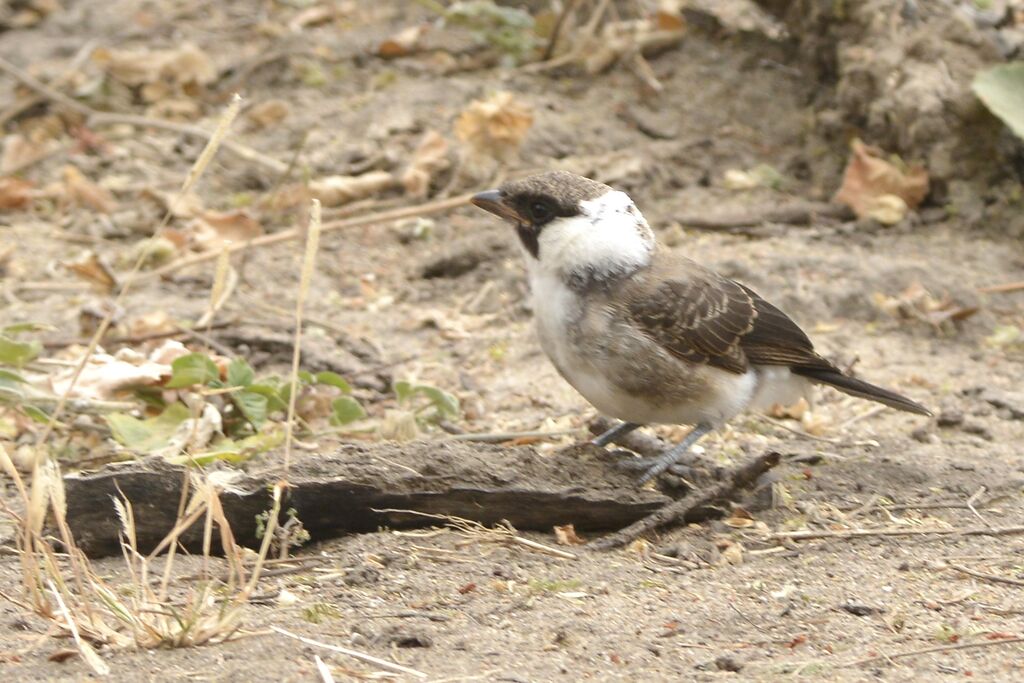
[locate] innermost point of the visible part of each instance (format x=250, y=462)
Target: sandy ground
x=698, y=603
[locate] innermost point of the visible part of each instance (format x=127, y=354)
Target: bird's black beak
x=494, y=202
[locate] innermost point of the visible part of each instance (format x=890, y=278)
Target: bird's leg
x=672, y=455
x=615, y=432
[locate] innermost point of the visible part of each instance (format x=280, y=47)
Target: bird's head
x=573, y=227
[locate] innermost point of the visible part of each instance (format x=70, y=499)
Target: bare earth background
x=827, y=609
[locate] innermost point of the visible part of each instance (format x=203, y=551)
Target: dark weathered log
x=339, y=493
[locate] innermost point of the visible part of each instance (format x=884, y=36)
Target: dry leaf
x=152, y=323
x=186, y=205
x=566, y=535
x=184, y=67
x=21, y=152
x=14, y=193
x=402, y=43
x=342, y=189
x=494, y=127
x=267, y=114
x=739, y=519
x=84, y=192
x=868, y=178
x=212, y=230
x=795, y=411
x=104, y=376
x=730, y=552
x=917, y=303
x=89, y=266
x=318, y=15
x=430, y=158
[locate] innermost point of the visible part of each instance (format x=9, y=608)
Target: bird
x=646, y=334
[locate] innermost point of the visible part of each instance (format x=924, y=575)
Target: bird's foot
x=631, y=463
x=616, y=432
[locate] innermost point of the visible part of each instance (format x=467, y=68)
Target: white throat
x=609, y=238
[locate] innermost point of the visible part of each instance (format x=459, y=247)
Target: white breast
x=557, y=308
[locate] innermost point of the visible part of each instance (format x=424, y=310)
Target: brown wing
x=706, y=318
x=702, y=319
x=776, y=340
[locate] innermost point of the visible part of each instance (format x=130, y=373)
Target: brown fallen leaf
x=182, y=66
x=212, y=230
x=494, y=127
x=402, y=43
x=429, y=159
x=566, y=535
x=84, y=192
x=104, y=375
x=20, y=151
x=318, y=15
x=870, y=184
x=917, y=303
x=340, y=189
x=90, y=267
x=267, y=114
x=15, y=193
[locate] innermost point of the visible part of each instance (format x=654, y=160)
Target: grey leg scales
x=674, y=454
x=615, y=432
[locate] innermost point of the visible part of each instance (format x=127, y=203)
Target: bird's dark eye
x=541, y=212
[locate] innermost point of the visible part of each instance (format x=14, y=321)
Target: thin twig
x=739, y=478
x=1003, y=288
x=932, y=650
x=74, y=65
x=982, y=575
x=34, y=83
x=501, y=437
x=383, y=663
x=133, y=338
x=305, y=277
x=556, y=32
x=296, y=233
x=241, y=150
x=868, y=533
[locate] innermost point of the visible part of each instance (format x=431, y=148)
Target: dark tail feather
x=861, y=389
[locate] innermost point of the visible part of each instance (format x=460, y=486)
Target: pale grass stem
x=306, y=276
x=194, y=174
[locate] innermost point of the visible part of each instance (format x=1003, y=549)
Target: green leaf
x=229, y=450
x=240, y=373
x=195, y=368
x=145, y=436
x=11, y=376
x=403, y=390
x=10, y=393
x=272, y=394
x=253, y=405
x=442, y=401
x=305, y=377
x=345, y=409
x=18, y=353
x=445, y=403
x=35, y=413
x=1001, y=88
x=333, y=379
x=18, y=328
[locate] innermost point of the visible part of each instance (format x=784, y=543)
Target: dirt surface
x=443, y=301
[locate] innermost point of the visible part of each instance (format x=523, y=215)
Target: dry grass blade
x=88, y=653
x=305, y=278
x=502, y=533
x=424, y=209
x=323, y=669
x=383, y=663
x=194, y=174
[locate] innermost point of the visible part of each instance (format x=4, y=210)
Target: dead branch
x=690, y=506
